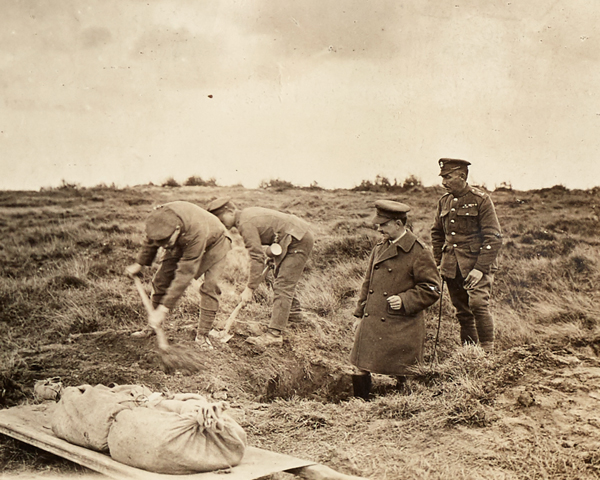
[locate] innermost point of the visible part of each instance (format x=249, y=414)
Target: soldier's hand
x=133, y=270
x=158, y=316
x=395, y=302
x=246, y=295
x=473, y=279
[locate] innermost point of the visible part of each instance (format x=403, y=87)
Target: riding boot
x=361, y=385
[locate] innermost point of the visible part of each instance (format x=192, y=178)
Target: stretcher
x=32, y=424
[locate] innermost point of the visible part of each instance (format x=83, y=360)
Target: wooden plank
x=32, y=424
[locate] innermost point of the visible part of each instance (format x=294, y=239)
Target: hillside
x=528, y=411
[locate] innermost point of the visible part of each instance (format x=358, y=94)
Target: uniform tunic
x=203, y=241
x=466, y=232
x=389, y=341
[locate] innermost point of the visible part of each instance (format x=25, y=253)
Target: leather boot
x=361, y=386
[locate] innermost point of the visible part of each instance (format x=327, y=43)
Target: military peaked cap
x=161, y=223
x=389, y=210
x=217, y=204
x=448, y=165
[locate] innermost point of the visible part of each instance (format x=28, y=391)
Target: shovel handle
x=143, y=295
x=232, y=318
x=161, y=337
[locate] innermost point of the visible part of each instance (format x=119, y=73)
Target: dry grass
x=63, y=296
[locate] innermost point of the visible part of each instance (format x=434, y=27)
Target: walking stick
x=437, y=335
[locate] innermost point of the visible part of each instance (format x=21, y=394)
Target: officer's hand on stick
x=473, y=279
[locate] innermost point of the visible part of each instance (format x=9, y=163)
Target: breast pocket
x=467, y=220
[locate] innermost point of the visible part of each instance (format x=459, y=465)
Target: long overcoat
x=388, y=341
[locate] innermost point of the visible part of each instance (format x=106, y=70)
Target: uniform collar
x=463, y=192
x=405, y=242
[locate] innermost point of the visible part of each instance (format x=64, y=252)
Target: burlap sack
x=84, y=414
x=177, y=437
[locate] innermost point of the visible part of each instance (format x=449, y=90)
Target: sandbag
x=84, y=414
x=177, y=437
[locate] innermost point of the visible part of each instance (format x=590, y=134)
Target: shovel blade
x=226, y=337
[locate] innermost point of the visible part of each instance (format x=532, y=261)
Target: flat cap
x=217, y=204
x=389, y=210
x=161, y=223
x=448, y=165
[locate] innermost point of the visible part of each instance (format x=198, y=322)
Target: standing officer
x=195, y=244
x=401, y=281
x=466, y=239
x=261, y=226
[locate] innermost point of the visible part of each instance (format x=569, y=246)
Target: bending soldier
x=262, y=226
x=466, y=239
x=195, y=243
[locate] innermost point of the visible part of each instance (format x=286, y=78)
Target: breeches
x=288, y=274
x=473, y=308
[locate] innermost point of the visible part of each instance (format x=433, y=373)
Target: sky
x=128, y=92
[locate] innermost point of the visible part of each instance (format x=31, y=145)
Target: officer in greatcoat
x=195, y=243
x=466, y=239
x=401, y=281
x=289, y=241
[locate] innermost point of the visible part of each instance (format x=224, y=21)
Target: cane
x=437, y=335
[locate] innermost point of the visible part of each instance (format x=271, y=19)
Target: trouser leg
x=479, y=302
x=210, y=293
x=288, y=274
x=460, y=300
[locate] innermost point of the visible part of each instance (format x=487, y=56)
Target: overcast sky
x=332, y=91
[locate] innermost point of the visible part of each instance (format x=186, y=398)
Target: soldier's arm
x=253, y=244
x=438, y=237
x=427, y=284
x=492, y=236
x=147, y=254
x=364, y=289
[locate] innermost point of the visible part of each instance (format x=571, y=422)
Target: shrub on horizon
x=383, y=184
x=276, y=184
x=197, y=181
x=170, y=182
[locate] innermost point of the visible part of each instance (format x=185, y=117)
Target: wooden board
x=32, y=424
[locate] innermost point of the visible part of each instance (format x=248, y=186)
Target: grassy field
x=529, y=411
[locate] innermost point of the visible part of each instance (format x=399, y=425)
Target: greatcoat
x=389, y=341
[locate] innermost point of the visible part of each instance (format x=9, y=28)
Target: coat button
x=454, y=245
x=455, y=200
x=383, y=319
x=452, y=233
x=452, y=221
x=385, y=294
x=453, y=209
x=376, y=267
x=366, y=315
x=370, y=291
x=389, y=269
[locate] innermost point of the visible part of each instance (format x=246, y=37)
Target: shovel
x=224, y=335
x=172, y=358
